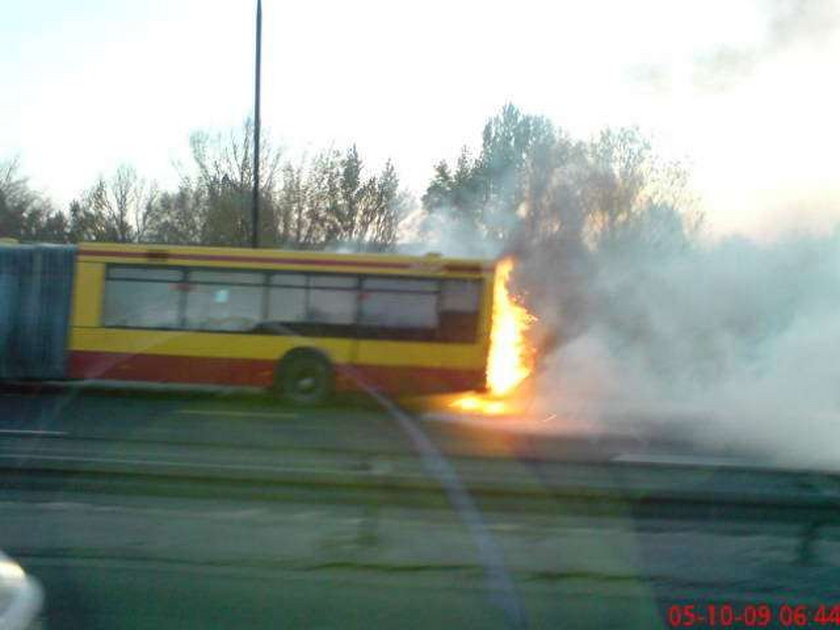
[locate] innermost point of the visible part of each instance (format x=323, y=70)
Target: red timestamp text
x=761, y=615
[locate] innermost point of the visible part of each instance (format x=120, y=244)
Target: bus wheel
x=304, y=378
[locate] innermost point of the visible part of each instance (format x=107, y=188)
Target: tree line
x=529, y=183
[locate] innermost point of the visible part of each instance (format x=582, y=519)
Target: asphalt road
x=111, y=555
x=239, y=419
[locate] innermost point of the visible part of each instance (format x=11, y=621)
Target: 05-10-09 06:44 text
x=759, y=615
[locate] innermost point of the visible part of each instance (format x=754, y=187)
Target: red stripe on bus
x=328, y=262
x=260, y=373
x=169, y=368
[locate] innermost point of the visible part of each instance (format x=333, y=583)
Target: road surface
x=244, y=538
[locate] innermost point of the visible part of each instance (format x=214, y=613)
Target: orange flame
x=511, y=358
x=476, y=404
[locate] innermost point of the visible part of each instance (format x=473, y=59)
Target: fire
x=477, y=404
x=511, y=358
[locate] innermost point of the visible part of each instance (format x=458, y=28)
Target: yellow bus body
x=251, y=358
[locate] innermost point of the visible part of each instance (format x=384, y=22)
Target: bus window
x=332, y=299
x=460, y=296
x=459, y=309
x=224, y=300
x=286, y=302
x=226, y=277
x=399, y=303
x=144, y=273
x=401, y=284
x=139, y=297
x=288, y=279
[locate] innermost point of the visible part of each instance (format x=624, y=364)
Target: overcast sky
x=745, y=91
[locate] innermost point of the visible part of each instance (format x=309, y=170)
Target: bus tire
x=304, y=378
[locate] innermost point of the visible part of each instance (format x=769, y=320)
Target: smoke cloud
x=447, y=232
x=732, y=343
x=787, y=25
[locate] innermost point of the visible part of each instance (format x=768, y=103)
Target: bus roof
x=238, y=257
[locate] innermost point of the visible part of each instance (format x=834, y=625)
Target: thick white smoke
x=446, y=232
x=733, y=343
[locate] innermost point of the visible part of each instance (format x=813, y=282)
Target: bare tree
x=330, y=202
x=384, y=206
x=178, y=217
x=301, y=222
x=24, y=213
x=222, y=178
x=118, y=208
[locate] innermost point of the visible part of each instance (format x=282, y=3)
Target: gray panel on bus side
x=36, y=283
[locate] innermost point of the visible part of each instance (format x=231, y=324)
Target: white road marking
x=30, y=432
x=243, y=414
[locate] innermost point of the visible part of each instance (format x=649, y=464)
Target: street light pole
x=255, y=204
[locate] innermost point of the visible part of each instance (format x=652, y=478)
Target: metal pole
x=255, y=204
